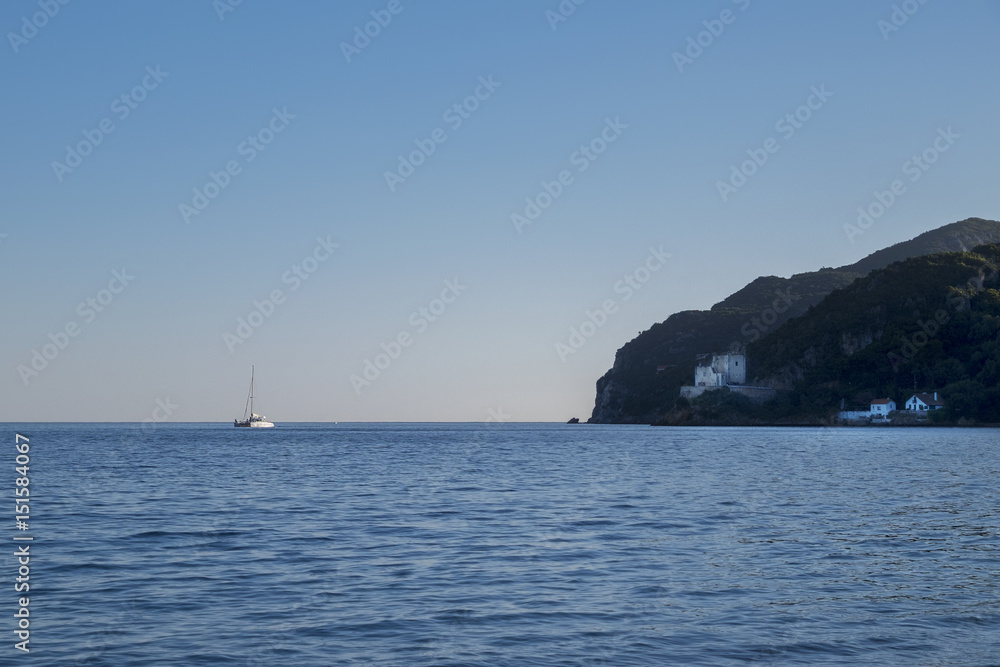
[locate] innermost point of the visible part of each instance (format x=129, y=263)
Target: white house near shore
x=881, y=407
x=923, y=402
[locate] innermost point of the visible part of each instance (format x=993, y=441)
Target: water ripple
x=496, y=544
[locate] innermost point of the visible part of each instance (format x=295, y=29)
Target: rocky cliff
x=650, y=369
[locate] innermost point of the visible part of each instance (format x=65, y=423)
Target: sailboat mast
x=254, y=419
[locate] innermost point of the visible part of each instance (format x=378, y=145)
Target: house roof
x=927, y=399
x=882, y=401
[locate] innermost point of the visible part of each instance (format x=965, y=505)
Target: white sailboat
x=255, y=421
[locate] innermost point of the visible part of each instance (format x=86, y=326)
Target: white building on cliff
x=724, y=370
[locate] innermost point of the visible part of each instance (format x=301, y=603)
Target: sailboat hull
x=254, y=423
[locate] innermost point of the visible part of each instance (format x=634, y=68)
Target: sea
x=503, y=544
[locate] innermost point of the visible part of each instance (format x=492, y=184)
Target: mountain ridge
x=649, y=370
x=930, y=323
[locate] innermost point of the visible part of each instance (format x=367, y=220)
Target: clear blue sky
x=493, y=348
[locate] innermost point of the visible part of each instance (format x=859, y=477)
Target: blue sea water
x=508, y=544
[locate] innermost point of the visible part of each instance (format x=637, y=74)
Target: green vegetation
x=635, y=391
x=929, y=322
